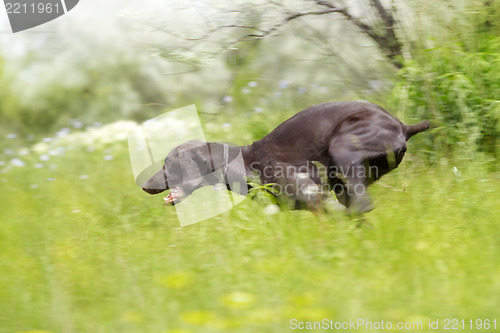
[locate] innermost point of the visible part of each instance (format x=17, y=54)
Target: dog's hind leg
x=352, y=171
x=339, y=188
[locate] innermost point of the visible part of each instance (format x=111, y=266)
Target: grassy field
x=83, y=249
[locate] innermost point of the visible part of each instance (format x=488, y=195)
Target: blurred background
x=83, y=249
x=132, y=61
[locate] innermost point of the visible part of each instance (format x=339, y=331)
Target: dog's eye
x=169, y=164
x=173, y=170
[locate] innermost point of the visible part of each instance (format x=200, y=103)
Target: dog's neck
x=248, y=154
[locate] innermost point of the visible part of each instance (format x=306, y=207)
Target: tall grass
x=451, y=75
x=83, y=249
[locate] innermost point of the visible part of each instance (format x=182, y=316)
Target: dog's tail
x=411, y=130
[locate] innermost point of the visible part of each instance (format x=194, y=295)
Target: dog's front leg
x=351, y=189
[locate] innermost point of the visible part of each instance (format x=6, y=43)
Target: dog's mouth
x=175, y=196
x=152, y=190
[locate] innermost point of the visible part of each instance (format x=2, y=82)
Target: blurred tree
x=446, y=53
x=116, y=87
x=9, y=103
x=241, y=22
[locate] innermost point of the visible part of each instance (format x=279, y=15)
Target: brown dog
x=339, y=147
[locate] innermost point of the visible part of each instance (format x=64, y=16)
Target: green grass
x=99, y=255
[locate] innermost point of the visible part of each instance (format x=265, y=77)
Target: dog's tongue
x=168, y=199
x=172, y=196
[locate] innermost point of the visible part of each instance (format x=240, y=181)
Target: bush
x=457, y=86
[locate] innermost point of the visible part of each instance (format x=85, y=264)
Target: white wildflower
x=17, y=162
x=271, y=209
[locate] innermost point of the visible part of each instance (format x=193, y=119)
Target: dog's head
x=183, y=171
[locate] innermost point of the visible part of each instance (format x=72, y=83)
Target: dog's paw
x=360, y=206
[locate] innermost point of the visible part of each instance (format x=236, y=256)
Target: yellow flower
x=306, y=313
x=304, y=299
x=421, y=245
x=225, y=323
x=200, y=317
x=176, y=280
x=238, y=299
x=262, y=316
x=134, y=317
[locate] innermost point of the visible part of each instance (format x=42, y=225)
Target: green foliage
x=263, y=193
x=96, y=254
x=83, y=249
x=458, y=91
x=104, y=94
x=9, y=104
x=456, y=83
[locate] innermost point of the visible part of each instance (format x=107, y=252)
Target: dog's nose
x=146, y=187
x=152, y=190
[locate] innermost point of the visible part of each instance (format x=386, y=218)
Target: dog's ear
x=172, y=172
x=194, y=161
x=202, y=157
